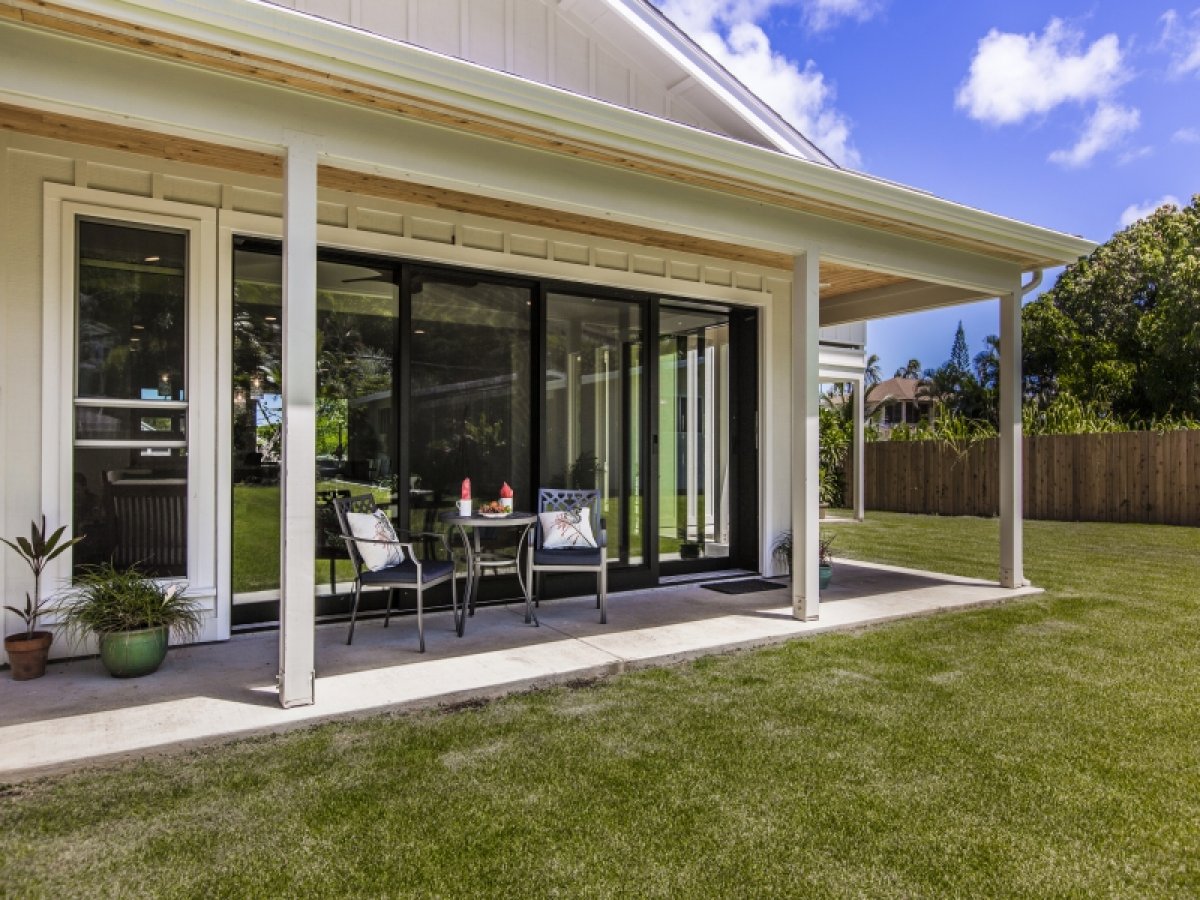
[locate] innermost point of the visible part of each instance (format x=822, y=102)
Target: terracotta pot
x=27, y=655
x=131, y=654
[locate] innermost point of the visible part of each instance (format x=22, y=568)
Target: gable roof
x=709, y=75
x=894, y=390
x=622, y=52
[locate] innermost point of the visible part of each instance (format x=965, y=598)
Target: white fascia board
x=714, y=78
x=296, y=38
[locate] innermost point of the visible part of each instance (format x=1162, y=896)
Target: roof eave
x=294, y=38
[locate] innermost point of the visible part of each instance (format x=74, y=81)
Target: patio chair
x=408, y=573
x=329, y=543
x=552, y=551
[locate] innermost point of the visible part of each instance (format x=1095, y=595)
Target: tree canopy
x=1121, y=328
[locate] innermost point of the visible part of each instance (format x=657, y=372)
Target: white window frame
x=63, y=206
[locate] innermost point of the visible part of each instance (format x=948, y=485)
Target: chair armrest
x=441, y=537
x=407, y=545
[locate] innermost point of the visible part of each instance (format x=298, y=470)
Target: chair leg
x=388, y=615
x=354, y=610
x=421, y=617
x=602, y=597
x=459, y=623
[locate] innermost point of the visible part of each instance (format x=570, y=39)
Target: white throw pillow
x=567, y=529
x=375, y=527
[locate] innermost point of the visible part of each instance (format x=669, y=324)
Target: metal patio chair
x=412, y=574
x=544, y=561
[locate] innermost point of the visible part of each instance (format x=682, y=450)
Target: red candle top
x=466, y=489
x=505, y=490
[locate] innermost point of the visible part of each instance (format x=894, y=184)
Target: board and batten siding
x=531, y=38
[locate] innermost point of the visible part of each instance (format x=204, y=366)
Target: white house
x=251, y=252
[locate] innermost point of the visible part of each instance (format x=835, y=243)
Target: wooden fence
x=1136, y=476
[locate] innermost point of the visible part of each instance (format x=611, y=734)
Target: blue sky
x=1077, y=116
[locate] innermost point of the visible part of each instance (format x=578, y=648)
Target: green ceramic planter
x=826, y=576
x=131, y=654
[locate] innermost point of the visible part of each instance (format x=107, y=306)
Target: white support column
x=298, y=471
x=859, y=477
x=805, y=435
x=1011, y=478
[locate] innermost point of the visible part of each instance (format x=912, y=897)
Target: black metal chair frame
x=562, y=499
x=407, y=577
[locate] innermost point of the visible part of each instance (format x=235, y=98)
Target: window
x=131, y=396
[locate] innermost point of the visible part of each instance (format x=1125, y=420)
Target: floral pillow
x=375, y=527
x=567, y=529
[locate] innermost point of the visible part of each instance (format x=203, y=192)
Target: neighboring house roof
x=894, y=390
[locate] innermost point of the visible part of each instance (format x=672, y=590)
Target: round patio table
x=480, y=561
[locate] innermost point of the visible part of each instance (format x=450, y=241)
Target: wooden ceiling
x=836, y=280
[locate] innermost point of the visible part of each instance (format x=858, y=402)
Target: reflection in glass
x=593, y=407
x=104, y=423
x=130, y=327
x=470, y=373
x=130, y=503
x=694, y=502
x=356, y=326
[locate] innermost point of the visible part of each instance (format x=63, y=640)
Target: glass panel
x=356, y=335
x=694, y=500
x=470, y=373
x=131, y=313
x=131, y=504
x=593, y=407
x=103, y=423
x=132, y=507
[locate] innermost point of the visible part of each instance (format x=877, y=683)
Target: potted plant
x=28, y=650
x=132, y=616
x=824, y=561
x=781, y=550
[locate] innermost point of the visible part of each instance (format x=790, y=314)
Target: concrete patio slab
x=77, y=714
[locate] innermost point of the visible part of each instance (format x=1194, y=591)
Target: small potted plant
x=28, y=650
x=781, y=550
x=824, y=561
x=132, y=616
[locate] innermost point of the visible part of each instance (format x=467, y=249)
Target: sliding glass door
x=694, y=477
x=593, y=421
x=428, y=375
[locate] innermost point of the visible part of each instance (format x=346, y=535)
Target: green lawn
x=1046, y=747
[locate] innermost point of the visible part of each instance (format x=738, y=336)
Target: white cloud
x=1014, y=76
x=1133, y=212
x=729, y=30
x=1135, y=154
x=1107, y=125
x=824, y=14
x=1186, y=136
x=1181, y=40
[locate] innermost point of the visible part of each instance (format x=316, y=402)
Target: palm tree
x=871, y=373
x=911, y=370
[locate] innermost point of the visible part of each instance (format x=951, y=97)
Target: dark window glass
x=357, y=310
x=471, y=397
x=131, y=313
x=130, y=482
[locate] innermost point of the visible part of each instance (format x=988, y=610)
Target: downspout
x=1034, y=282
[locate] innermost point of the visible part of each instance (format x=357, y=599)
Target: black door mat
x=744, y=586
